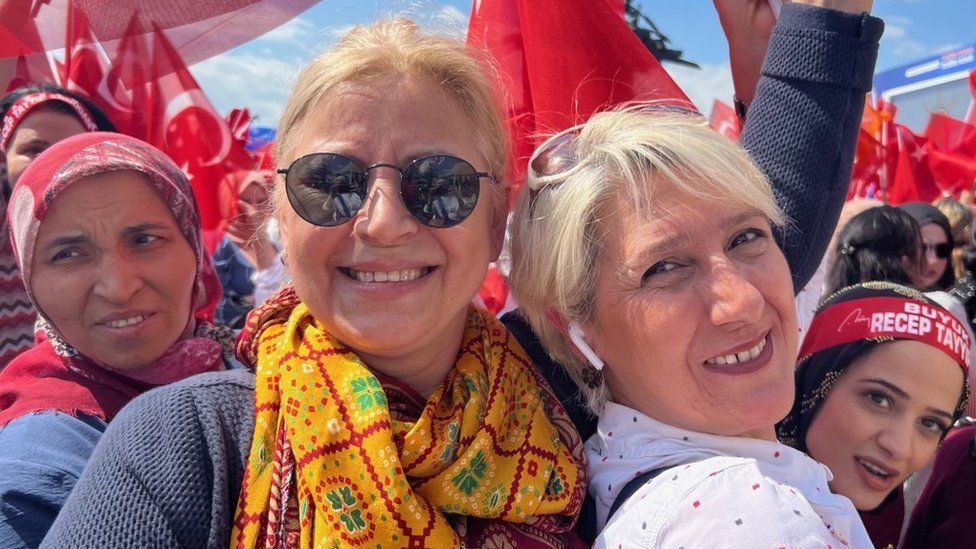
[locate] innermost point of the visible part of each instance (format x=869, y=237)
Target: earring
x=281, y=257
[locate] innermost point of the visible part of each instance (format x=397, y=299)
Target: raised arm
x=802, y=124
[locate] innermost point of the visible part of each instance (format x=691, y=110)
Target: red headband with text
x=22, y=106
x=888, y=317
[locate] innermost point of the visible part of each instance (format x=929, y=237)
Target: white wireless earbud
x=576, y=336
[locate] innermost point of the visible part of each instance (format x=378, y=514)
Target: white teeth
x=874, y=470
x=125, y=322
x=391, y=276
x=739, y=357
x=754, y=352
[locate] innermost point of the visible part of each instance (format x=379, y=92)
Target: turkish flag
x=953, y=173
x=187, y=127
x=913, y=181
x=123, y=92
x=951, y=135
x=561, y=61
x=724, y=120
x=83, y=69
x=239, y=121
x=30, y=68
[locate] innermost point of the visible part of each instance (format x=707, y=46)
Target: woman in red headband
x=880, y=380
x=32, y=119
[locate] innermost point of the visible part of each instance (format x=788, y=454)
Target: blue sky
x=259, y=74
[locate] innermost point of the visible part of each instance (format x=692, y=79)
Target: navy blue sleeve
x=168, y=470
x=41, y=458
x=801, y=130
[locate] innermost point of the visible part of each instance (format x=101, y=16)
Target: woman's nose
x=735, y=298
x=896, y=439
x=384, y=218
x=119, y=278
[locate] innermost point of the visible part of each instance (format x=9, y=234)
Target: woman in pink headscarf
x=32, y=118
x=106, y=235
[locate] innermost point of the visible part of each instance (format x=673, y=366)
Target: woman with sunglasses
x=937, y=271
x=384, y=409
x=368, y=417
x=881, y=378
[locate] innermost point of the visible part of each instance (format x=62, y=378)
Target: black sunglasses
x=329, y=189
x=942, y=251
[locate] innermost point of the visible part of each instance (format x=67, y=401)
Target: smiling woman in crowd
x=880, y=380
x=107, y=238
x=654, y=277
x=383, y=409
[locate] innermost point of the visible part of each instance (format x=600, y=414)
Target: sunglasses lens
x=326, y=189
x=943, y=250
x=557, y=156
x=440, y=191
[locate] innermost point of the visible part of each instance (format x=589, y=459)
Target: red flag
x=868, y=160
x=239, y=121
x=83, y=69
x=913, y=181
x=199, y=29
x=953, y=173
x=890, y=149
x=601, y=63
x=123, y=93
x=186, y=126
x=724, y=120
x=950, y=135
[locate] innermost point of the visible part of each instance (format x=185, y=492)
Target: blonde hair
x=961, y=222
x=397, y=48
x=622, y=156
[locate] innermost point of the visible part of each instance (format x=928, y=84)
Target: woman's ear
x=572, y=332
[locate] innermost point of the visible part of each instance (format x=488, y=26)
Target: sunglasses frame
x=402, y=171
x=558, y=155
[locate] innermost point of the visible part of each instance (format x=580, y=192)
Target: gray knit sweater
x=168, y=470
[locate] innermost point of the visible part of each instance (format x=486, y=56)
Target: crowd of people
x=667, y=381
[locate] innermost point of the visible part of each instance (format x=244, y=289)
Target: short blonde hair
x=622, y=156
x=397, y=48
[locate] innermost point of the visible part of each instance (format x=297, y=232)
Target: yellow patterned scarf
x=485, y=445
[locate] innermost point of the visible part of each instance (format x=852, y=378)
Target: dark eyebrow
x=890, y=386
x=65, y=241
x=902, y=394
x=143, y=227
